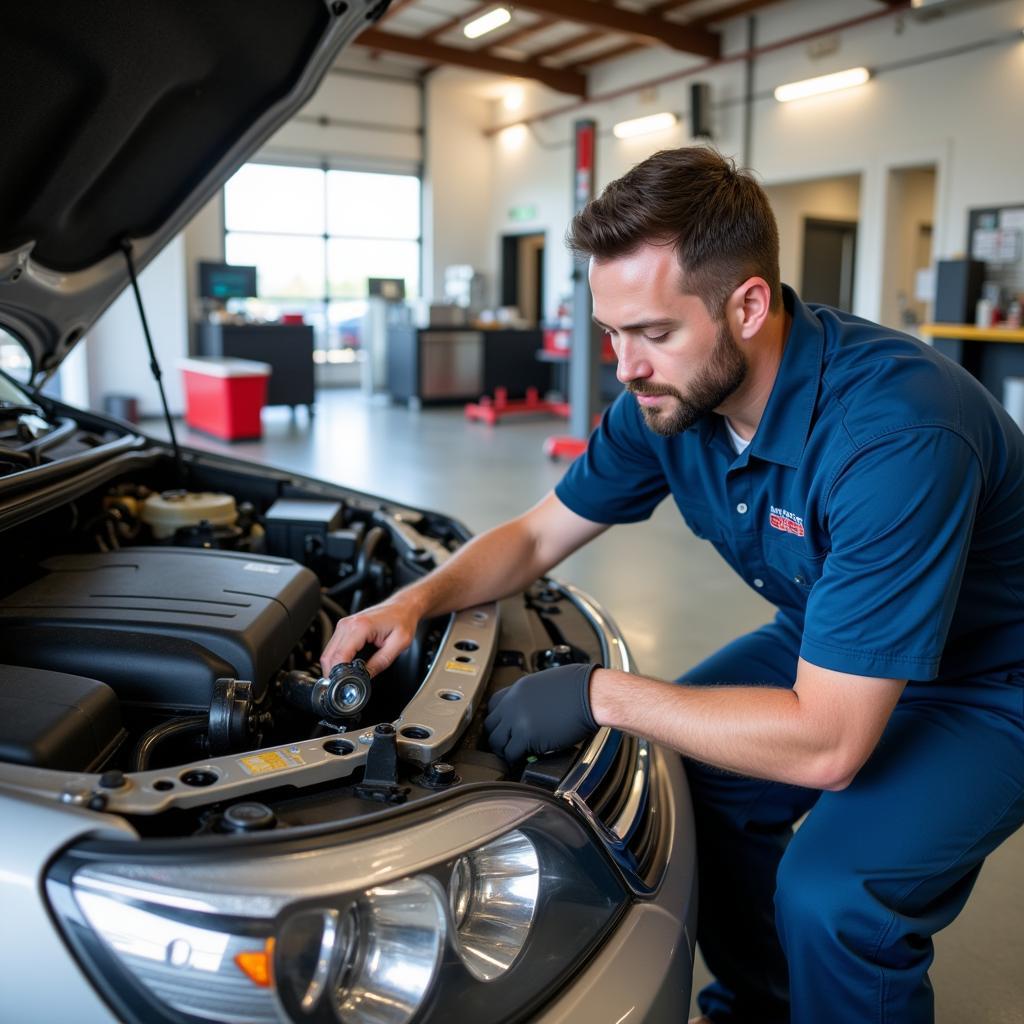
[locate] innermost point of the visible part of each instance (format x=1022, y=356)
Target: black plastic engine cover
x=53, y=720
x=161, y=625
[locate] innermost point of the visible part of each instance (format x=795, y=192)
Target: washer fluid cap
x=167, y=512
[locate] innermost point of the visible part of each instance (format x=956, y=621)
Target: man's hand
x=389, y=626
x=548, y=710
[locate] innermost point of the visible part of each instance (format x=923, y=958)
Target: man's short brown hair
x=718, y=219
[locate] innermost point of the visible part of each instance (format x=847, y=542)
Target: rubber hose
x=326, y=629
x=332, y=606
x=356, y=577
x=152, y=738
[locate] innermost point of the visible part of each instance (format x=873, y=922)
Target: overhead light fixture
x=487, y=23
x=513, y=99
x=514, y=136
x=823, y=83
x=644, y=125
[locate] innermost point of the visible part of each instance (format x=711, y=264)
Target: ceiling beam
x=521, y=33
x=570, y=82
x=608, y=16
x=567, y=44
x=734, y=11
x=456, y=22
x=597, y=58
x=668, y=5
x=396, y=6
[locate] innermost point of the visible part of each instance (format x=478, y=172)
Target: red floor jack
x=556, y=350
x=489, y=410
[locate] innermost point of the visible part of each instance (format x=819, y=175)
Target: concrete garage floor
x=674, y=599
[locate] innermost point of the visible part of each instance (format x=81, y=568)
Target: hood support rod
x=154, y=365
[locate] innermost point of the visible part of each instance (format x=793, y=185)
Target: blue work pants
x=835, y=921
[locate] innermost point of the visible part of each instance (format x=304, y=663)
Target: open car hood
x=120, y=119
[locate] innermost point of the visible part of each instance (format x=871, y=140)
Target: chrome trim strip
x=586, y=775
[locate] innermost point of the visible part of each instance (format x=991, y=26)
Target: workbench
x=989, y=353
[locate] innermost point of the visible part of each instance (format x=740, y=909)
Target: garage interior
x=460, y=153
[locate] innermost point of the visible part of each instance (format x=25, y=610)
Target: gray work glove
x=547, y=710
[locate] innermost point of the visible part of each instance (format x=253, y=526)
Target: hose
x=326, y=629
x=373, y=538
x=165, y=730
x=332, y=606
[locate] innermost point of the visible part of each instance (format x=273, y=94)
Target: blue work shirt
x=879, y=506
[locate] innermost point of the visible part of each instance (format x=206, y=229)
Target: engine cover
x=161, y=625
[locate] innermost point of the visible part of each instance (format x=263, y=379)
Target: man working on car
x=870, y=489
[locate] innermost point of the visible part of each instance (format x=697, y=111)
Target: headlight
x=372, y=963
x=477, y=911
x=493, y=893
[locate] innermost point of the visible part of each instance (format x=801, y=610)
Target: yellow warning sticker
x=271, y=761
x=461, y=666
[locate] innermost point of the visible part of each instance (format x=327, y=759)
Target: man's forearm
x=497, y=563
x=753, y=730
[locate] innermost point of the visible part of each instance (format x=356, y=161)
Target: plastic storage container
x=224, y=397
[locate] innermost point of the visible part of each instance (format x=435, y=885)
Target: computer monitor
x=392, y=288
x=225, y=281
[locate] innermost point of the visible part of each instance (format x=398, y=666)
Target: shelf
x=968, y=332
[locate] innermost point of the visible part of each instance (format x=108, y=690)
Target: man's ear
x=749, y=306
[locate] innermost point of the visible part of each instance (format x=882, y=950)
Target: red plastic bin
x=224, y=397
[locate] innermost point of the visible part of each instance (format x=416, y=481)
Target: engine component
x=235, y=721
x=297, y=528
x=53, y=720
x=559, y=654
x=371, y=578
x=343, y=694
x=161, y=625
x=152, y=738
x=168, y=512
x=248, y=816
x=380, y=776
x=438, y=775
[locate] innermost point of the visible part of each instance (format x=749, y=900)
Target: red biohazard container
x=224, y=397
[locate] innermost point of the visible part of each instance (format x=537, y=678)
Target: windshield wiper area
x=8, y=409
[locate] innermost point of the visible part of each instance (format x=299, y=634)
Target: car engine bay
x=159, y=650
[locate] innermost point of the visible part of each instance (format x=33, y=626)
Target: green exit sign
x=525, y=211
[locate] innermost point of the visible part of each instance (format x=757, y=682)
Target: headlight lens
x=493, y=893
x=351, y=931
x=373, y=963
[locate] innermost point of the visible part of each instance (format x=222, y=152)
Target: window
x=315, y=236
x=14, y=360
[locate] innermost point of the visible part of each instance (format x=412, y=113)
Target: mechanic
x=873, y=492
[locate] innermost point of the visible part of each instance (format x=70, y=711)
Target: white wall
x=458, y=179
x=911, y=205
x=116, y=356
x=960, y=114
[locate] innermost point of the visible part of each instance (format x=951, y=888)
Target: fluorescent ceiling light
x=825, y=83
x=644, y=125
x=513, y=99
x=487, y=23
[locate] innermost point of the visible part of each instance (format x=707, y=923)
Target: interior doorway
x=830, y=252
x=817, y=222
x=522, y=275
x=909, y=220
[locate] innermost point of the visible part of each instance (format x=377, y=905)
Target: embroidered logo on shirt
x=782, y=519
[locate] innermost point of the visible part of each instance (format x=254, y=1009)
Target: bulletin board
x=995, y=235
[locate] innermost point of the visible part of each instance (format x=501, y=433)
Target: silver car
x=196, y=825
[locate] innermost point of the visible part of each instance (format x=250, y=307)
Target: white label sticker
x=273, y=570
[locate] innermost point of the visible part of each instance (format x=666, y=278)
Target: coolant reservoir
x=167, y=512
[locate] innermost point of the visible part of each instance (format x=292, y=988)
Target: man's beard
x=723, y=373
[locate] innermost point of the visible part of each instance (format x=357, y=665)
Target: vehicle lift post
x=585, y=352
